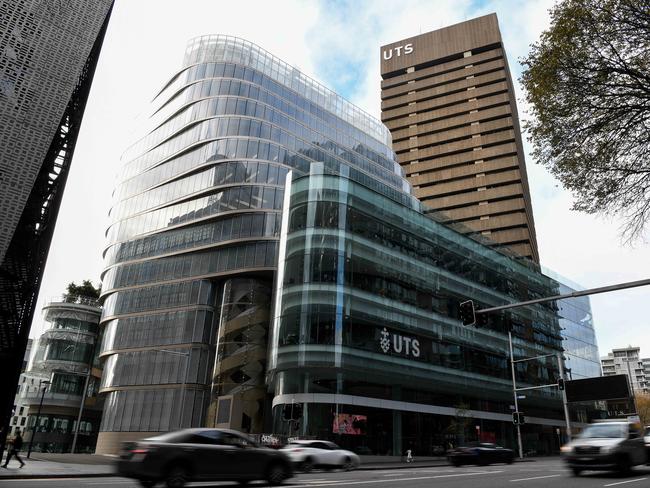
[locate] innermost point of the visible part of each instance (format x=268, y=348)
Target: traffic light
x=466, y=312
x=560, y=384
x=481, y=319
x=518, y=418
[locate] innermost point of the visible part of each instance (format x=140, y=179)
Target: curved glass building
x=192, y=247
x=65, y=355
x=261, y=197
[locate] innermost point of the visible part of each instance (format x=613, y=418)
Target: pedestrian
x=409, y=456
x=16, y=446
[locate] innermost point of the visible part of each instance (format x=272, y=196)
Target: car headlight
x=608, y=449
x=566, y=449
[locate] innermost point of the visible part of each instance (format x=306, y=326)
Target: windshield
x=604, y=431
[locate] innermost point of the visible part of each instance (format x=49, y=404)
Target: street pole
x=564, y=400
x=38, y=416
x=83, y=397
x=514, y=394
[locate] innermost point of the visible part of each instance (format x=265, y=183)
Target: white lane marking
x=628, y=481
x=365, y=482
x=37, y=480
x=538, y=477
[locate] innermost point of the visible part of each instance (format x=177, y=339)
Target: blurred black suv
x=201, y=455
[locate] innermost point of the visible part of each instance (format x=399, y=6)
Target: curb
x=57, y=475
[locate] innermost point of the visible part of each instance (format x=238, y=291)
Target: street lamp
x=38, y=415
x=187, y=355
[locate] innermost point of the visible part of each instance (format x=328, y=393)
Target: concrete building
x=448, y=99
x=48, y=54
x=646, y=367
x=265, y=248
x=627, y=361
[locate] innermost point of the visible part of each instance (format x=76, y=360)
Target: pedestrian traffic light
x=560, y=384
x=466, y=312
x=297, y=411
x=518, y=418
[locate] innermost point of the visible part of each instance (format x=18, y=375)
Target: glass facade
x=202, y=326
x=195, y=224
x=366, y=323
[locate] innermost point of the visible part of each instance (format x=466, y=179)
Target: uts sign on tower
x=388, y=53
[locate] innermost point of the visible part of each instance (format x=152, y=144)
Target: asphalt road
x=539, y=474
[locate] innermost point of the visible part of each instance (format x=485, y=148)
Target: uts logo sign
x=399, y=344
x=398, y=50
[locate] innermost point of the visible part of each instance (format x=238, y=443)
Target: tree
x=587, y=81
x=85, y=290
x=643, y=408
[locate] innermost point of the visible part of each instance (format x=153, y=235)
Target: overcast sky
x=338, y=44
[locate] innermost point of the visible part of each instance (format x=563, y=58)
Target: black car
x=201, y=455
x=481, y=453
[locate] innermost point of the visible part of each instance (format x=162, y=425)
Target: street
x=536, y=474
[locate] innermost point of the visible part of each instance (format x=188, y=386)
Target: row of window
x=225, y=173
x=332, y=109
x=177, y=327
x=68, y=323
x=149, y=299
x=156, y=410
x=372, y=220
x=220, y=260
x=206, y=155
x=198, y=107
x=157, y=367
x=233, y=198
x=234, y=226
x=256, y=120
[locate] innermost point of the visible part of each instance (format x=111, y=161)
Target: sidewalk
x=45, y=465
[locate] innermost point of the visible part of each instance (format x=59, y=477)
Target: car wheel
x=347, y=465
x=276, y=474
x=576, y=471
x=176, y=477
x=307, y=465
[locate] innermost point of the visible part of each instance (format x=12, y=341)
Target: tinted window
x=171, y=437
x=207, y=437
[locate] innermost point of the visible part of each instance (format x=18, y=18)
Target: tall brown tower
x=448, y=99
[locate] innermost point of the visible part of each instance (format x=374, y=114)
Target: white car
x=306, y=455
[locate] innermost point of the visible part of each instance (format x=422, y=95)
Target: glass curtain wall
x=197, y=207
x=367, y=324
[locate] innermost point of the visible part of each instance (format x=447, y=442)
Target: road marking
x=628, y=481
x=538, y=477
x=365, y=482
